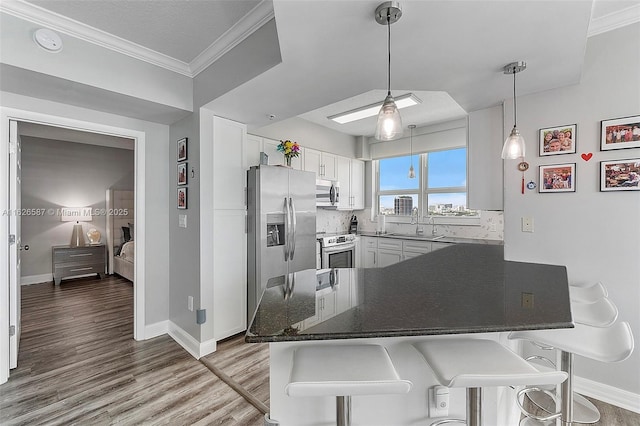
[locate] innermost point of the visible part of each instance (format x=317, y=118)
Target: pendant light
x=514, y=144
x=412, y=173
x=389, y=125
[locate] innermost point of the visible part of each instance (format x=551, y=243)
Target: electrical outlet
x=527, y=224
x=190, y=303
x=527, y=300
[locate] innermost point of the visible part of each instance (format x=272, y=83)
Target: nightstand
x=73, y=261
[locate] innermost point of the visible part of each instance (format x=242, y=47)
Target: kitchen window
x=439, y=189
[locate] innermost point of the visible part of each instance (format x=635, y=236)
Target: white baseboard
x=609, y=394
x=189, y=343
x=36, y=279
x=208, y=347
x=155, y=330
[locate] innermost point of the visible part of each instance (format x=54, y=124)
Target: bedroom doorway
x=55, y=123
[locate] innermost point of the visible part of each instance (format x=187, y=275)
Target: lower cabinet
x=378, y=252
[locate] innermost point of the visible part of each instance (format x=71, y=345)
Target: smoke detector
x=48, y=40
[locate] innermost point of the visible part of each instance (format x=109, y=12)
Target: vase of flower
x=290, y=150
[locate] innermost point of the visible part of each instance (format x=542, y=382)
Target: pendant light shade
x=412, y=173
x=514, y=146
x=389, y=125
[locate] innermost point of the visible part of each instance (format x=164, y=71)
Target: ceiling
x=449, y=53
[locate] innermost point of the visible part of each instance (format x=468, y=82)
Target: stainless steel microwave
x=327, y=193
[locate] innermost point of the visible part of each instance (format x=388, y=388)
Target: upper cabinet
x=350, y=174
x=485, y=180
x=323, y=164
x=257, y=144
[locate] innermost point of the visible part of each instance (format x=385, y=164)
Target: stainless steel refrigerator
x=281, y=215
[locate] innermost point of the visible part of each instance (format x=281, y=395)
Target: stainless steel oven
x=338, y=251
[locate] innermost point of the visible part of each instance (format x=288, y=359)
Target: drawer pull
x=82, y=254
x=81, y=269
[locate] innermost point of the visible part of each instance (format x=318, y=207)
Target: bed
x=123, y=263
x=120, y=232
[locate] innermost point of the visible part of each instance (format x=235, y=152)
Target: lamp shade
x=76, y=214
x=513, y=146
x=389, y=125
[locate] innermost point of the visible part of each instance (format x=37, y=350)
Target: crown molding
x=257, y=17
x=615, y=20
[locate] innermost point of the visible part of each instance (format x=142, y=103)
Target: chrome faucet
x=433, y=225
x=414, y=221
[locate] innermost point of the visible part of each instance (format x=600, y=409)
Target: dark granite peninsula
x=465, y=288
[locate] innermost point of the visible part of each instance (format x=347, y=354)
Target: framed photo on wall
x=182, y=173
x=620, y=133
x=182, y=198
x=557, y=178
x=558, y=140
x=182, y=149
x=620, y=175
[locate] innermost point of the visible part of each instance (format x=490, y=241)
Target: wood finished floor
x=79, y=364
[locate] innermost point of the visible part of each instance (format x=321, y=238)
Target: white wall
x=59, y=174
x=185, y=242
x=595, y=234
x=156, y=182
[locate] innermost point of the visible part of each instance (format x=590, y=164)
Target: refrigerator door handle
x=294, y=223
x=287, y=225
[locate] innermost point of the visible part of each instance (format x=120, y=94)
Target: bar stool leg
x=474, y=406
x=566, y=389
x=343, y=410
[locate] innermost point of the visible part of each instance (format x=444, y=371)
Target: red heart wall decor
x=587, y=156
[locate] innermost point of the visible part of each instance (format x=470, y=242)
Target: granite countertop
x=429, y=237
x=464, y=288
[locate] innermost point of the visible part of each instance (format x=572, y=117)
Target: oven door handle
x=339, y=248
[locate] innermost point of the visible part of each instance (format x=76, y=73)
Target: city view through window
x=440, y=184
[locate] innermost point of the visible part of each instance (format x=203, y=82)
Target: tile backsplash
x=491, y=225
x=333, y=221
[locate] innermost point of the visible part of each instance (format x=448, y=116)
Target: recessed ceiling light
x=403, y=101
x=48, y=40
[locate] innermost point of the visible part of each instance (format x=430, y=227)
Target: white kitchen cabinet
x=323, y=164
x=230, y=273
x=484, y=149
x=413, y=248
x=369, y=251
x=226, y=155
x=350, y=175
x=389, y=251
x=254, y=147
x=437, y=246
x=276, y=158
x=257, y=144
x=357, y=184
x=325, y=308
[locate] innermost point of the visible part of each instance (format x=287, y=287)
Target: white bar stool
x=605, y=344
x=601, y=313
x=343, y=371
x=476, y=363
x=587, y=294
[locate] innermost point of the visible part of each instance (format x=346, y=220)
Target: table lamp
x=77, y=214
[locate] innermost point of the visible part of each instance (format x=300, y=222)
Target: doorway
x=9, y=116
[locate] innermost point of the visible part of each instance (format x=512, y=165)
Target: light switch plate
x=527, y=224
x=182, y=220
